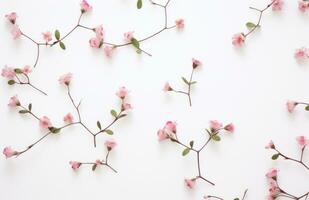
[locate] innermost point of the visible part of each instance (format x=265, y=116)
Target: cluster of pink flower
x=169, y=131
x=301, y=53
x=303, y=5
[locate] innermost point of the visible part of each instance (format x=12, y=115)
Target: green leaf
x=94, y=166
x=11, y=82
x=29, y=106
x=236, y=199
x=57, y=35
x=185, y=151
x=216, y=138
x=139, y=4
x=54, y=129
x=185, y=80
x=191, y=143
x=23, y=111
x=250, y=25
x=307, y=108
x=114, y=113
x=275, y=156
x=18, y=71
x=135, y=43
x=99, y=125
x=109, y=132
x=193, y=82
x=62, y=45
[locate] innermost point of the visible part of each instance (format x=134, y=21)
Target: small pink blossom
x=273, y=187
x=167, y=87
x=302, y=6
x=302, y=141
x=68, y=118
x=272, y=173
x=128, y=36
x=122, y=92
x=26, y=69
x=108, y=51
x=238, y=39
x=45, y=122
x=215, y=125
x=8, y=72
x=16, y=32
x=47, y=36
x=9, y=152
x=99, y=31
x=11, y=17
x=85, y=7
x=291, y=106
x=95, y=42
x=99, y=162
x=180, y=23
x=196, y=63
x=65, y=79
x=170, y=127
x=230, y=128
x=75, y=165
x=14, y=101
x=301, y=53
x=110, y=144
x=277, y=5
x=162, y=135
x=126, y=106
x=190, y=183
x=270, y=145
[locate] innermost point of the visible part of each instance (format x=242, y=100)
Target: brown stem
x=292, y=159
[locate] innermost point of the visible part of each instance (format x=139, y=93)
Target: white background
x=247, y=86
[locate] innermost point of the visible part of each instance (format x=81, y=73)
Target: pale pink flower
x=301, y=53
x=302, y=141
x=272, y=173
x=26, y=69
x=95, y=42
x=180, y=23
x=9, y=152
x=162, y=135
x=190, y=183
x=47, y=36
x=8, y=72
x=16, y=32
x=122, y=92
x=75, y=165
x=170, y=127
x=196, y=63
x=108, y=50
x=99, y=31
x=68, y=118
x=270, y=197
x=277, y=5
x=11, y=17
x=84, y=6
x=230, y=128
x=128, y=36
x=14, y=101
x=291, y=106
x=273, y=187
x=65, y=79
x=45, y=122
x=110, y=144
x=302, y=6
x=238, y=39
x=167, y=87
x=215, y=125
x=99, y=162
x=270, y=145
x=126, y=106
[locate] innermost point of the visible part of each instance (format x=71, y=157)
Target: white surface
x=247, y=87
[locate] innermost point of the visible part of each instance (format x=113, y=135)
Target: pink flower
x=75, y=165
x=190, y=183
x=230, y=127
x=122, y=92
x=180, y=23
x=47, y=36
x=14, y=101
x=162, y=135
x=170, y=127
x=126, y=106
x=128, y=36
x=291, y=106
x=9, y=152
x=45, y=122
x=167, y=87
x=8, y=72
x=99, y=31
x=16, y=32
x=11, y=17
x=84, y=6
x=110, y=144
x=95, y=42
x=238, y=39
x=273, y=187
x=99, y=162
x=302, y=6
x=196, y=63
x=277, y=5
x=26, y=69
x=301, y=53
x=108, y=50
x=270, y=145
x=272, y=173
x=215, y=125
x=68, y=118
x=65, y=79
x=302, y=141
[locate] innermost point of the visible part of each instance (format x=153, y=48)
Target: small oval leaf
x=250, y=25
x=62, y=45
x=109, y=132
x=57, y=35
x=139, y=4
x=185, y=151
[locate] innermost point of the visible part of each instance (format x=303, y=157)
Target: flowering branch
x=19, y=76
x=239, y=38
x=169, y=132
x=189, y=83
x=208, y=197
x=45, y=122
